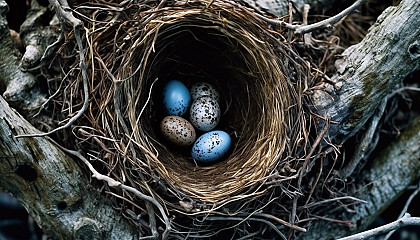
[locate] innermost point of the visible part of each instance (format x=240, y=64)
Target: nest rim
x=262, y=151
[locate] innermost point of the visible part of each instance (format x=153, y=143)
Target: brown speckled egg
x=177, y=130
x=205, y=113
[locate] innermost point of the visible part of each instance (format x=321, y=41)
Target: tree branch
x=406, y=220
x=67, y=17
x=370, y=70
x=21, y=88
x=116, y=184
x=407, y=204
x=390, y=174
x=302, y=29
x=281, y=7
x=52, y=187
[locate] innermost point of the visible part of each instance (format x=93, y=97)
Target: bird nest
x=134, y=49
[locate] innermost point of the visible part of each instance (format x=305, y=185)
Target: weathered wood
x=52, y=187
x=281, y=7
x=370, y=70
x=389, y=176
x=36, y=36
x=55, y=191
x=21, y=89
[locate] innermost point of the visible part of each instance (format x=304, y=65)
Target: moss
x=411, y=132
x=358, y=108
x=369, y=81
x=373, y=86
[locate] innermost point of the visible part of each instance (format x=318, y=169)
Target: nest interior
x=260, y=79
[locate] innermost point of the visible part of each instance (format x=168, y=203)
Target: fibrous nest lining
x=260, y=78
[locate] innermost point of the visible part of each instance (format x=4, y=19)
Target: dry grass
x=260, y=80
x=134, y=48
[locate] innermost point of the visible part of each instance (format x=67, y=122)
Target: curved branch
x=116, y=184
x=65, y=17
x=52, y=187
x=406, y=220
x=370, y=70
x=390, y=174
x=302, y=29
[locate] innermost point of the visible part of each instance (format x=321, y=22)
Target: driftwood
x=55, y=191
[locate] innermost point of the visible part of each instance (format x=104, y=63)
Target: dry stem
x=65, y=17
x=406, y=220
x=302, y=29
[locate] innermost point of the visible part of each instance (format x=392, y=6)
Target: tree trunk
x=391, y=173
x=370, y=70
x=55, y=191
x=52, y=187
x=21, y=90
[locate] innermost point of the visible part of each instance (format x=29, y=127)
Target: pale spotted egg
x=205, y=113
x=201, y=89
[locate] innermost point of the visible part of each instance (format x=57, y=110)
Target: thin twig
x=311, y=205
x=404, y=210
x=302, y=29
x=305, y=165
x=59, y=40
x=329, y=21
x=116, y=184
x=333, y=220
x=314, y=146
x=280, y=221
x=213, y=218
x=305, y=13
x=77, y=24
x=401, y=90
x=289, y=33
x=406, y=220
x=315, y=184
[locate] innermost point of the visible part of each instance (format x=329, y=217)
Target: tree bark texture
x=281, y=7
x=383, y=182
x=56, y=192
x=52, y=187
x=21, y=89
x=371, y=69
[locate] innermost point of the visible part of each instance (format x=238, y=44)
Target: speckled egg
x=211, y=146
x=201, y=89
x=205, y=113
x=177, y=130
x=176, y=98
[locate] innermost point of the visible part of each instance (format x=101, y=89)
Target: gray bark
x=370, y=70
x=366, y=74
x=389, y=176
x=52, y=187
x=35, y=36
x=21, y=89
x=281, y=7
x=55, y=191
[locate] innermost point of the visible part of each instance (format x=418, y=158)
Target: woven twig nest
x=226, y=45
x=137, y=48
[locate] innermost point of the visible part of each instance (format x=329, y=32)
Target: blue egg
x=176, y=98
x=211, y=146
